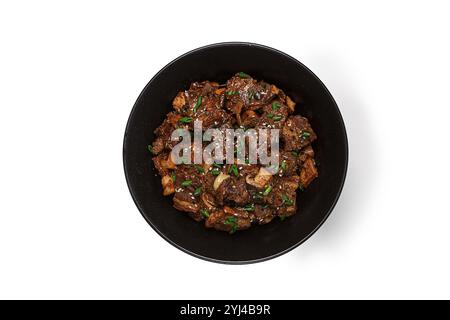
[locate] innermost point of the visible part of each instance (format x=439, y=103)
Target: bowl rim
x=275, y=255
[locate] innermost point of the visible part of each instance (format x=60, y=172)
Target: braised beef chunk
x=274, y=115
x=229, y=219
x=185, y=201
x=263, y=214
x=233, y=191
x=232, y=197
x=288, y=163
x=297, y=133
x=160, y=164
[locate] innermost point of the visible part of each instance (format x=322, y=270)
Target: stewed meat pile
x=231, y=197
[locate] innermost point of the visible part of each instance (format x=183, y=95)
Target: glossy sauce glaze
x=233, y=197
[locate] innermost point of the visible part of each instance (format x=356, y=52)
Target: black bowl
x=219, y=62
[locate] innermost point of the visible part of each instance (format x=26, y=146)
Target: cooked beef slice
x=297, y=133
x=244, y=196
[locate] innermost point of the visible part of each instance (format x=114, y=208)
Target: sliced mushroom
x=249, y=118
x=219, y=91
x=308, y=173
x=179, y=101
x=206, y=167
x=169, y=164
x=185, y=205
x=167, y=184
x=291, y=104
x=261, y=179
x=208, y=201
x=219, y=179
x=274, y=89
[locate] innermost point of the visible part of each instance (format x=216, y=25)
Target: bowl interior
x=218, y=63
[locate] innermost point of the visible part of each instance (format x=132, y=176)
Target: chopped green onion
x=250, y=95
x=267, y=191
x=305, y=134
x=283, y=165
x=275, y=105
x=231, y=92
x=185, y=120
x=215, y=172
x=294, y=153
x=197, y=104
x=198, y=191
x=150, y=148
x=243, y=75
x=186, y=183
x=277, y=118
x=249, y=207
x=270, y=115
x=231, y=220
x=234, y=170
x=204, y=213
x=200, y=169
x=286, y=200
x=173, y=177
x=258, y=195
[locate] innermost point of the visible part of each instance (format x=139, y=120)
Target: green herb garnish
x=270, y=115
x=234, y=170
x=250, y=95
x=294, y=153
x=150, y=148
x=286, y=200
x=249, y=207
x=173, y=177
x=267, y=190
x=185, y=120
x=277, y=118
x=186, y=183
x=204, y=213
x=231, y=92
x=215, y=172
x=258, y=195
x=197, y=103
x=275, y=106
x=305, y=134
x=231, y=220
x=243, y=75
x=283, y=165
x=200, y=169
x=198, y=191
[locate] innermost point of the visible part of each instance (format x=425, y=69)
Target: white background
x=70, y=73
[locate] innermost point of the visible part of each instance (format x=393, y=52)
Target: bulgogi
x=232, y=197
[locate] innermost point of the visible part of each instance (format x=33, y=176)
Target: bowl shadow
x=362, y=164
